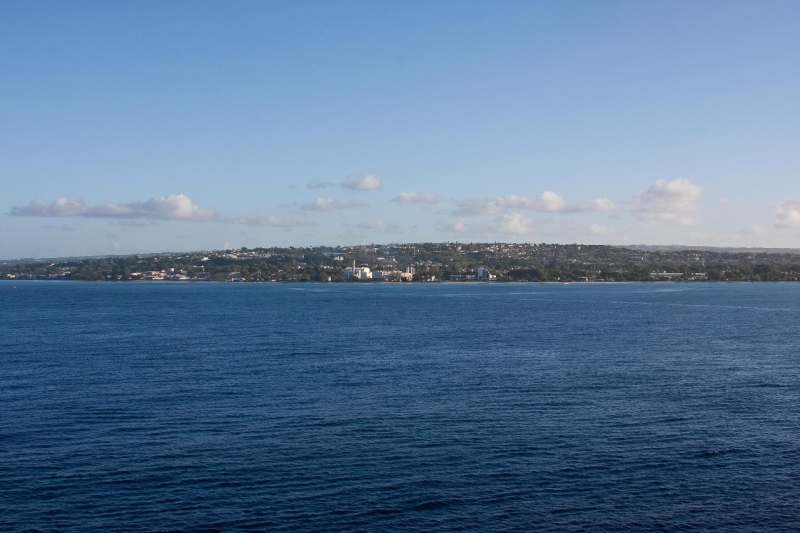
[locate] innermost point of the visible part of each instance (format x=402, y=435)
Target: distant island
x=426, y=262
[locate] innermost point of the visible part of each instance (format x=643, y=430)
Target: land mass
x=427, y=262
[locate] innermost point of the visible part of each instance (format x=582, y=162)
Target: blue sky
x=152, y=126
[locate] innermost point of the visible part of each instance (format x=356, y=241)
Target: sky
x=136, y=127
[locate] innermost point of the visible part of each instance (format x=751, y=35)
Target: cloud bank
x=477, y=207
x=548, y=202
x=329, y=204
x=597, y=230
x=515, y=224
x=787, y=214
x=316, y=184
x=672, y=203
x=274, y=221
x=358, y=182
x=378, y=225
x=415, y=198
x=458, y=226
x=353, y=182
x=172, y=207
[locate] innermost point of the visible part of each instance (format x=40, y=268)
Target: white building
x=358, y=274
x=484, y=274
x=667, y=275
x=408, y=275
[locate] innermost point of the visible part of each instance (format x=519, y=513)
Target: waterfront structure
x=485, y=275
x=357, y=274
x=482, y=275
x=667, y=275
x=408, y=275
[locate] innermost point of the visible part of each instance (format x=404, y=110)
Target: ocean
x=204, y=407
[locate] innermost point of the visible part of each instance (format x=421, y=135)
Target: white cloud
x=454, y=227
x=172, y=207
x=353, y=182
x=548, y=202
x=672, y=203
x=178, y=207
x=477, y=207
x=415, y=198
x=276, y=222
x=128, y=223
x=61, y=207
x=598, y=204
x=358, y=182
x=598, y=230
x=787, y=214
x=329, y=204
x=378, y=225
x=515, y=224
x=552, y=202
x=747, y=232
x=316, y=184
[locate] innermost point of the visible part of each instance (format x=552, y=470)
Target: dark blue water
x=228, y=407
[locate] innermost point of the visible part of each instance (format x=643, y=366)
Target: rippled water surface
x=332, y=407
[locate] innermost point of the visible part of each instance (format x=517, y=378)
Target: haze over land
x=141, y=127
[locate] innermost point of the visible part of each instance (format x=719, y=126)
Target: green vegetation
x=431, y=261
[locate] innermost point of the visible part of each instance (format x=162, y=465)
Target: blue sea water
x=435, y=407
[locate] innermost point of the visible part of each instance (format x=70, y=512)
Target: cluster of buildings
x=482, y=275
x=696, y=276
x=172, y=274
x=168, y=274
x=365, y=274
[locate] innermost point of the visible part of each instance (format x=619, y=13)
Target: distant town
x=426, y=262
